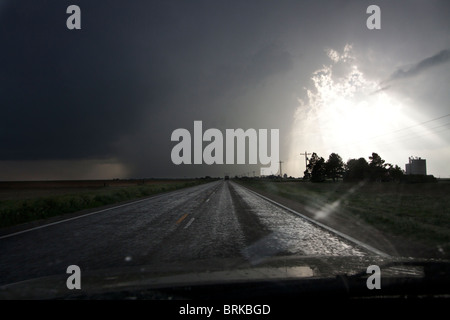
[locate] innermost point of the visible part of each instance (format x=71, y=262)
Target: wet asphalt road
x=211, y=222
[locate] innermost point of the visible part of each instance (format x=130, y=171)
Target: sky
x=102, y=102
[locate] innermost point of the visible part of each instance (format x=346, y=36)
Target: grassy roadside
x=25, y=205
x=416, y=212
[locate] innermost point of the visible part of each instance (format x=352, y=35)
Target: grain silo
x=416, y=165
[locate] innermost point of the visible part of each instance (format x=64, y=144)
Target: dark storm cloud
x=72, y=94
x=208, y=97
x=270, y=60
x=137, y=70
x=423, y=65
x=76, y=94
x=381, y=89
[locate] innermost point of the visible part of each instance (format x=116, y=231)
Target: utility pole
x=281, y=173
x=306, y=158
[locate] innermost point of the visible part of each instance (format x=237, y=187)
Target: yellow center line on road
x=182, y=218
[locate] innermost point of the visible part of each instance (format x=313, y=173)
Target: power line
x=416, y=135
x=306, y=158
x=413, y=126
x=396, y=131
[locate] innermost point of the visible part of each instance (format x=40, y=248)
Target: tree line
x=376, y=169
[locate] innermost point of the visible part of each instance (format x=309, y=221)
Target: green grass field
x=414, y=211
x=22, y=202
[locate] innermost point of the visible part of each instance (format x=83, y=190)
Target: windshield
x=150, y=146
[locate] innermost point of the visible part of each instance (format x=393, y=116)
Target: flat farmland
x=26, y=201
x=411, y=219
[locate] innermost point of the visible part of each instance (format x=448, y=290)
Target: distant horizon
x=225, y=172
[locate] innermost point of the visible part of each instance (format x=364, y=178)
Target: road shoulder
x=360, y=230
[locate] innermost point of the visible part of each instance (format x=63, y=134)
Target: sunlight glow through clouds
x=342, y=114
x=345, y=56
